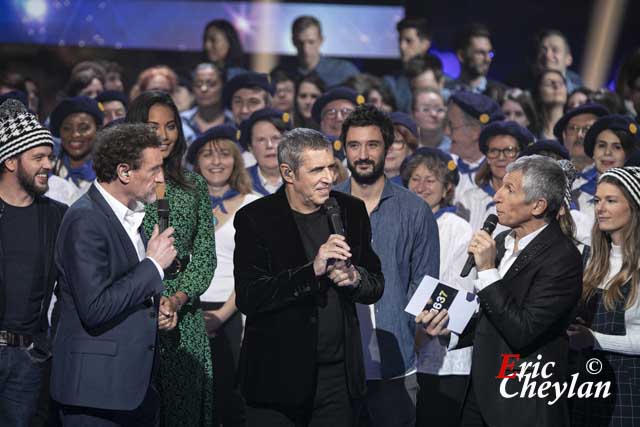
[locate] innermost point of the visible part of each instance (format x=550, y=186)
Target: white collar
x=132, y=219
x=510, y=240
x=264, y=181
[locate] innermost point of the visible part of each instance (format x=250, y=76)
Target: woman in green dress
x=184, y=377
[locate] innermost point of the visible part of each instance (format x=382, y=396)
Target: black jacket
x=526, y=313
x=276, y=289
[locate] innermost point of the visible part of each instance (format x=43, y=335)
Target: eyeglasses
x=509, y=153
x=485, y=53
x=574, y=130
x=333, y=112
x=449, y=125
x=429, y=109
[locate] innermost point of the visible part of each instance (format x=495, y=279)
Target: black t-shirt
x=314, y=231
x=23, y=273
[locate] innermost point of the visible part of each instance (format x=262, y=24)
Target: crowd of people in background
x=427, y=154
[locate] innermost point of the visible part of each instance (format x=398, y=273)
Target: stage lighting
x=35, y=9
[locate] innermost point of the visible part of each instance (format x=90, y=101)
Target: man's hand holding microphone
x=333, y=259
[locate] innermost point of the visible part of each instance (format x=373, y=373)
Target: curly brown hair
x=123, y=143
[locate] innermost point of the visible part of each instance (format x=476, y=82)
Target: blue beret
x=611, y=122
x=435, y=153
x=68, y=106
x=340, y=92
x=246, y=127
x=225, y=131
x=400, y=118
x=18, y=95
x=546, y=145
x=244, y=81
x=337, y=145
x=113, y=95
x=589, y=108
x=521, y=134
x=480, y=107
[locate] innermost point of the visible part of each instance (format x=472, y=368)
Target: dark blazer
x=527, y=312
x=104, y=346
x=276, y=289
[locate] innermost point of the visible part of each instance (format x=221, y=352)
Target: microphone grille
x=490, y=223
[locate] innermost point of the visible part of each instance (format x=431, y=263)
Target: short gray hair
x=542, y=178
x=295, y=141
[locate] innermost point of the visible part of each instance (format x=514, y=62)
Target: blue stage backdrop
x=178, y=25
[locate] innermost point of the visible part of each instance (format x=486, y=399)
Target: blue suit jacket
x=104, y=346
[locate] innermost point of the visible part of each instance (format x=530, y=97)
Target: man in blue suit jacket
x=105, y=344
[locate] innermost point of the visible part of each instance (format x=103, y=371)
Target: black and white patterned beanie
x=20, y=130
x=629, y=177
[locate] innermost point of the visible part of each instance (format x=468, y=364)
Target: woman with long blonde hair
x=610, y=330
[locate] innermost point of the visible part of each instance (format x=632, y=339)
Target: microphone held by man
x=488, y=227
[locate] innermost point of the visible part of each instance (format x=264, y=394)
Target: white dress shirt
x=491, y=276
x=488, y=277
x=267, y=185
x=131, y=221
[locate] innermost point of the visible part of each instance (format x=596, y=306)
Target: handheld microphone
x=488, y=226
x=335, y=220
x=163, y=208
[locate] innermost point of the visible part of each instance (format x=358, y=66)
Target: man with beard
x=28, y=227
x=405, y=237
x=110, y=286
x=475, y=53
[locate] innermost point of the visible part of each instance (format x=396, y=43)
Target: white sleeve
x=625, y=344
x=486, y=278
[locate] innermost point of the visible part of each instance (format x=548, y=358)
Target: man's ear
x=11, y=164
x=124, y=173
x=539, y=207
x=287, y=173
x=568, y=61
x=460, y=55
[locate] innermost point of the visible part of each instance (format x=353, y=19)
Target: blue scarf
x=464, y=168
x=255, y=178
x=589, y=187
x=442, y=211
x=487, y=188
x=83, y=173
x=219, y=201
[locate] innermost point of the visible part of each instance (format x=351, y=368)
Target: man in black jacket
x=297, y=282
x=529, y=283
x=29, y=224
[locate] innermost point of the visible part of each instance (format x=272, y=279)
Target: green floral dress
x=185, y=377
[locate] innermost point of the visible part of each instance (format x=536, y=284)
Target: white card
x=462, y=307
